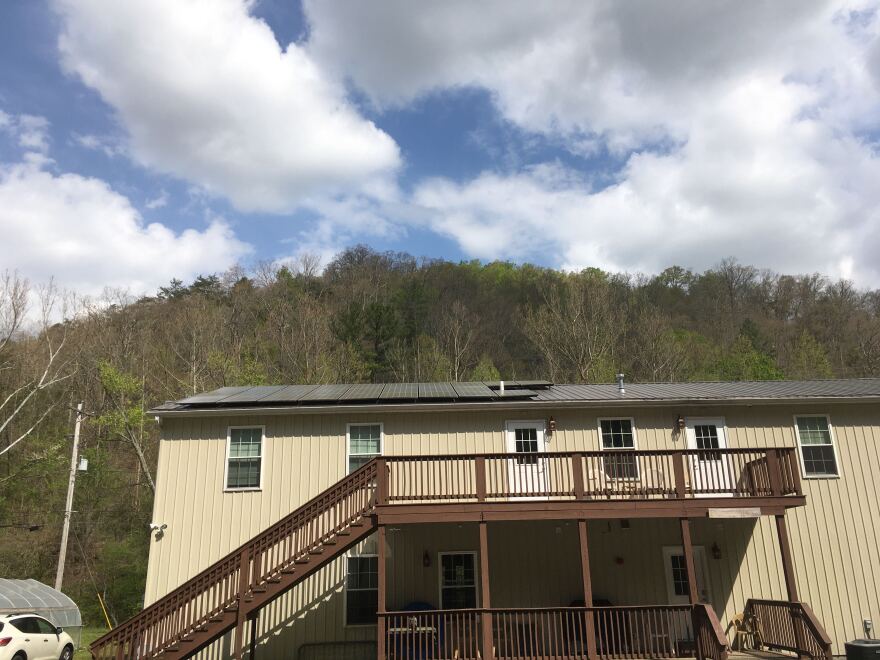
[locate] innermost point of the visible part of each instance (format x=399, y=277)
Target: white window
x=818, y=457
x=618, y=438
x=364, y=443
x=244, y=457
x=458, y=580
x=361, y=590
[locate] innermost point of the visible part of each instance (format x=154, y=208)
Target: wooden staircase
x=231, y=591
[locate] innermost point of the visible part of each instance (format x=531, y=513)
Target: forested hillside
x=367, y=317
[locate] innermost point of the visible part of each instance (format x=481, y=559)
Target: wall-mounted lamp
x=679, y=423
x=158, y=529
x=551, y=426
x=716, y=551
x=426, y=560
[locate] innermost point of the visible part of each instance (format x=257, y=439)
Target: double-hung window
x=817, y=446
x=364, y=443
x=618, y=439
x=458, y=580
x=361, y=590
x=244, y=458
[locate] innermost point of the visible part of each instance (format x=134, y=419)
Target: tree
x=808, y=359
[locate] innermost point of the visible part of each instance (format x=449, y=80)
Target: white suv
x=31, y=637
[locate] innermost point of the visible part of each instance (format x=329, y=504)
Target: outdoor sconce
x=551, y=426
x=679, y=423
x=716, y=551
x=426, y=560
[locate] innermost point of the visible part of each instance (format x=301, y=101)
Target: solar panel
x=436, y=391
x=400, y=391
x=363, y=392
x=326, y=393
x=473, y=391
x=289, y=394
x=216, y=395
x=253, y=394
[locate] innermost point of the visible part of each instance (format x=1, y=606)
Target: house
x=519, y=519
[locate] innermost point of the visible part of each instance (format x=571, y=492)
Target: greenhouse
x=35, y=597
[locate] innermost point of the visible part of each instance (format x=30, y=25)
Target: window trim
x=353, y=555
x=635, y=447
x=800, y=446
x=244, y=489
x=477, y=575
x=348, y=453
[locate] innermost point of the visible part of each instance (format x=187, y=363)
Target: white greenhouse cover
x=33, y=596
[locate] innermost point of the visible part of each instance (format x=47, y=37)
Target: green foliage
x=485, y=370
x=808, y=359
x=745, y=362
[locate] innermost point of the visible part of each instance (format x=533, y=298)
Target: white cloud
x=158, y=202
x=206, y=94
x=31, y=132
x=89, y=237
x=742, y=126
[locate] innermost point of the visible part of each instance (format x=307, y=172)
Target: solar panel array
x=262, y=395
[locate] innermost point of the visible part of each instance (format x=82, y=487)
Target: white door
x=526, y=472
x=677, y=577
x=710, y=470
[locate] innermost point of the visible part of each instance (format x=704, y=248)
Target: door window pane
x=244, y=462
x=617, y=434
x=679, y=575
x=458, y=586
x=364, y=443
x=706, y=436
x=817, y=446
x=526, y=442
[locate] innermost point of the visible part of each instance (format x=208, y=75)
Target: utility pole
x=68, y=508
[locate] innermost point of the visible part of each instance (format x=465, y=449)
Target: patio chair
x=747, y=632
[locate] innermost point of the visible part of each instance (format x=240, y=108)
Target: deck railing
x=227, y=584
x=793, y=627
x=595, y=475
x=597, y=633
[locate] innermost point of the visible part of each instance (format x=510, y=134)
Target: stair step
x=343, y=532
x=273, y=580
x=316, y=551
x=288, y=571
x=301, y=560
x=330, y=542
x=259, y=589
x=216, y=619
x=356, y=523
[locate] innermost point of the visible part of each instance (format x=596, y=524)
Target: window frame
x=348, y=453
x=243, y=489
x=348, y=556
x=477, y=575
x=635, y=447
x=800, y=446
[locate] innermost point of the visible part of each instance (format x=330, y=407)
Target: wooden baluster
x=381, y=481
x=380, y=576
x=480, y=477
x=678, y=467
x=577, y=475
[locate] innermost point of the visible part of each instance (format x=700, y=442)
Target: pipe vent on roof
x=620, y=387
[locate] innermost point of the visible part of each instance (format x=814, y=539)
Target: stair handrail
x=227, y=565
x=818, y=639
x=709, y=633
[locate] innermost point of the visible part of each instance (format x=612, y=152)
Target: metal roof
x=520, y=393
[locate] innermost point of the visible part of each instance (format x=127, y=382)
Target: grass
x=89, y=635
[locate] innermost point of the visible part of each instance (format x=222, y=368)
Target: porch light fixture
x=426, y=560
x=679, y=423
x=716, y=551
x=551, y=426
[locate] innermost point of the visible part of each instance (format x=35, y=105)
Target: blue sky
x=152, y=139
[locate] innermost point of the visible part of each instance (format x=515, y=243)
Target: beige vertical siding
x=834, y=538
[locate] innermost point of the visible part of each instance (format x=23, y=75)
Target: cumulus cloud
x=89, y=237
x=207, y=94
x=743, y=129
x=31, y=132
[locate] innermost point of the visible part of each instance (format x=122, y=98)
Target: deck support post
x=485, y=594
x=253, y=642
x=790, y=582
x=688, y=551
x=381, y=573
x=244, y=579
x=586, y=576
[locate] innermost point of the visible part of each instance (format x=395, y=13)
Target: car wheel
x=66, y=654
x=19, y=656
